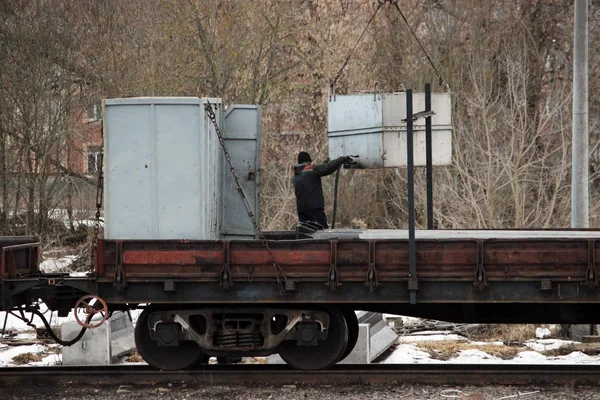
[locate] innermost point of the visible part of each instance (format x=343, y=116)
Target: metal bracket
x=420, y=114
x=119, y=280
x=413, y=284
x=480, y=275
x=372, y=281
x=413, y=288
x=546, y=285
x=334, y=278
x=591, y=277
x=226, y=280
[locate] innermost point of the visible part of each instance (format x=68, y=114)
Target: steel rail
x=435, y=374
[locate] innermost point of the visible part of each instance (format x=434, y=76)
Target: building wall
x=85, y=139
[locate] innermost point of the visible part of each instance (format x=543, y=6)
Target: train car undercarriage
x=237, y=298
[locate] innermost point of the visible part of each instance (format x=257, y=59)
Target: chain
x=213, y=118
x=99, y=195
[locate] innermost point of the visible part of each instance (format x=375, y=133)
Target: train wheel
x=183, y=356
x=325, y=353
x=352, y=322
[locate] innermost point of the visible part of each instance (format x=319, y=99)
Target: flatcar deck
x=469, y=269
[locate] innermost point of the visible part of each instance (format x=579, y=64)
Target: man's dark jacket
x=307, y=183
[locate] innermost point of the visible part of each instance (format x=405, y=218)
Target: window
x=94, y=112
x=94, y=159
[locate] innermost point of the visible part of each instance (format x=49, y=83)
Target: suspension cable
x=442, y=81
x=334, y=80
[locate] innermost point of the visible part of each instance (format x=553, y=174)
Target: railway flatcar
x=181, y=244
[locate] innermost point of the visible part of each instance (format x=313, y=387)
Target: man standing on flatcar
x=310, y=203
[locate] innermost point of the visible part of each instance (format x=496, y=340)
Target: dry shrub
x=26, y=358
x=509, y=334
x=134, y=357
x=445, y=350
x=358, y=223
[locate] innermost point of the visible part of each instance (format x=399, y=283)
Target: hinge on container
x=119, y=281
x=591, y=278
x=226, y=280
x=480, y=276
x=334, y=279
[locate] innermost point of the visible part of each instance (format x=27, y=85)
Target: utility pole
x=580, y=136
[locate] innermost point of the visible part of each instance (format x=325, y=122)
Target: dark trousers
x=316, y=216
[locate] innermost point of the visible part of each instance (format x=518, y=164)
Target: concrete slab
x=100, y=346
x=92, y=349
x=381, y=336
x=275, y=359
x=361, y=354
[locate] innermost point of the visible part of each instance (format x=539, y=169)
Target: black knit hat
x=303, y=157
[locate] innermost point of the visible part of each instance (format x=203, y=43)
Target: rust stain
x=172, y=257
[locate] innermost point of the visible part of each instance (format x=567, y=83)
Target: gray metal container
x=162, y=169
x=242, y=132
x=370, y=125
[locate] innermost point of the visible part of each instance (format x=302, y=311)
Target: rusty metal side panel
x=449, y=260
x=299, y=260
x=205, y=260
x=536, y=259
x=19, y=256
x=454, y=260
x=163, y=259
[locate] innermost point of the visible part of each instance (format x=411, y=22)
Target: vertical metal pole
x=412, y=253
x=580, y=169
x=428, y=157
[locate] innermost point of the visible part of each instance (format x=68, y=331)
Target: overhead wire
x=380, y=3
x=442, y=81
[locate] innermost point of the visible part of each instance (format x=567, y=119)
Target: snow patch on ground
x=7, y=354
x=57, y=264
x=408, y=352
x=547, y=344
x=82, y=274
x=430, y=337
x=541, y=333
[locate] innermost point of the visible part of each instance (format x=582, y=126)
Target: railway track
x=457, y=374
